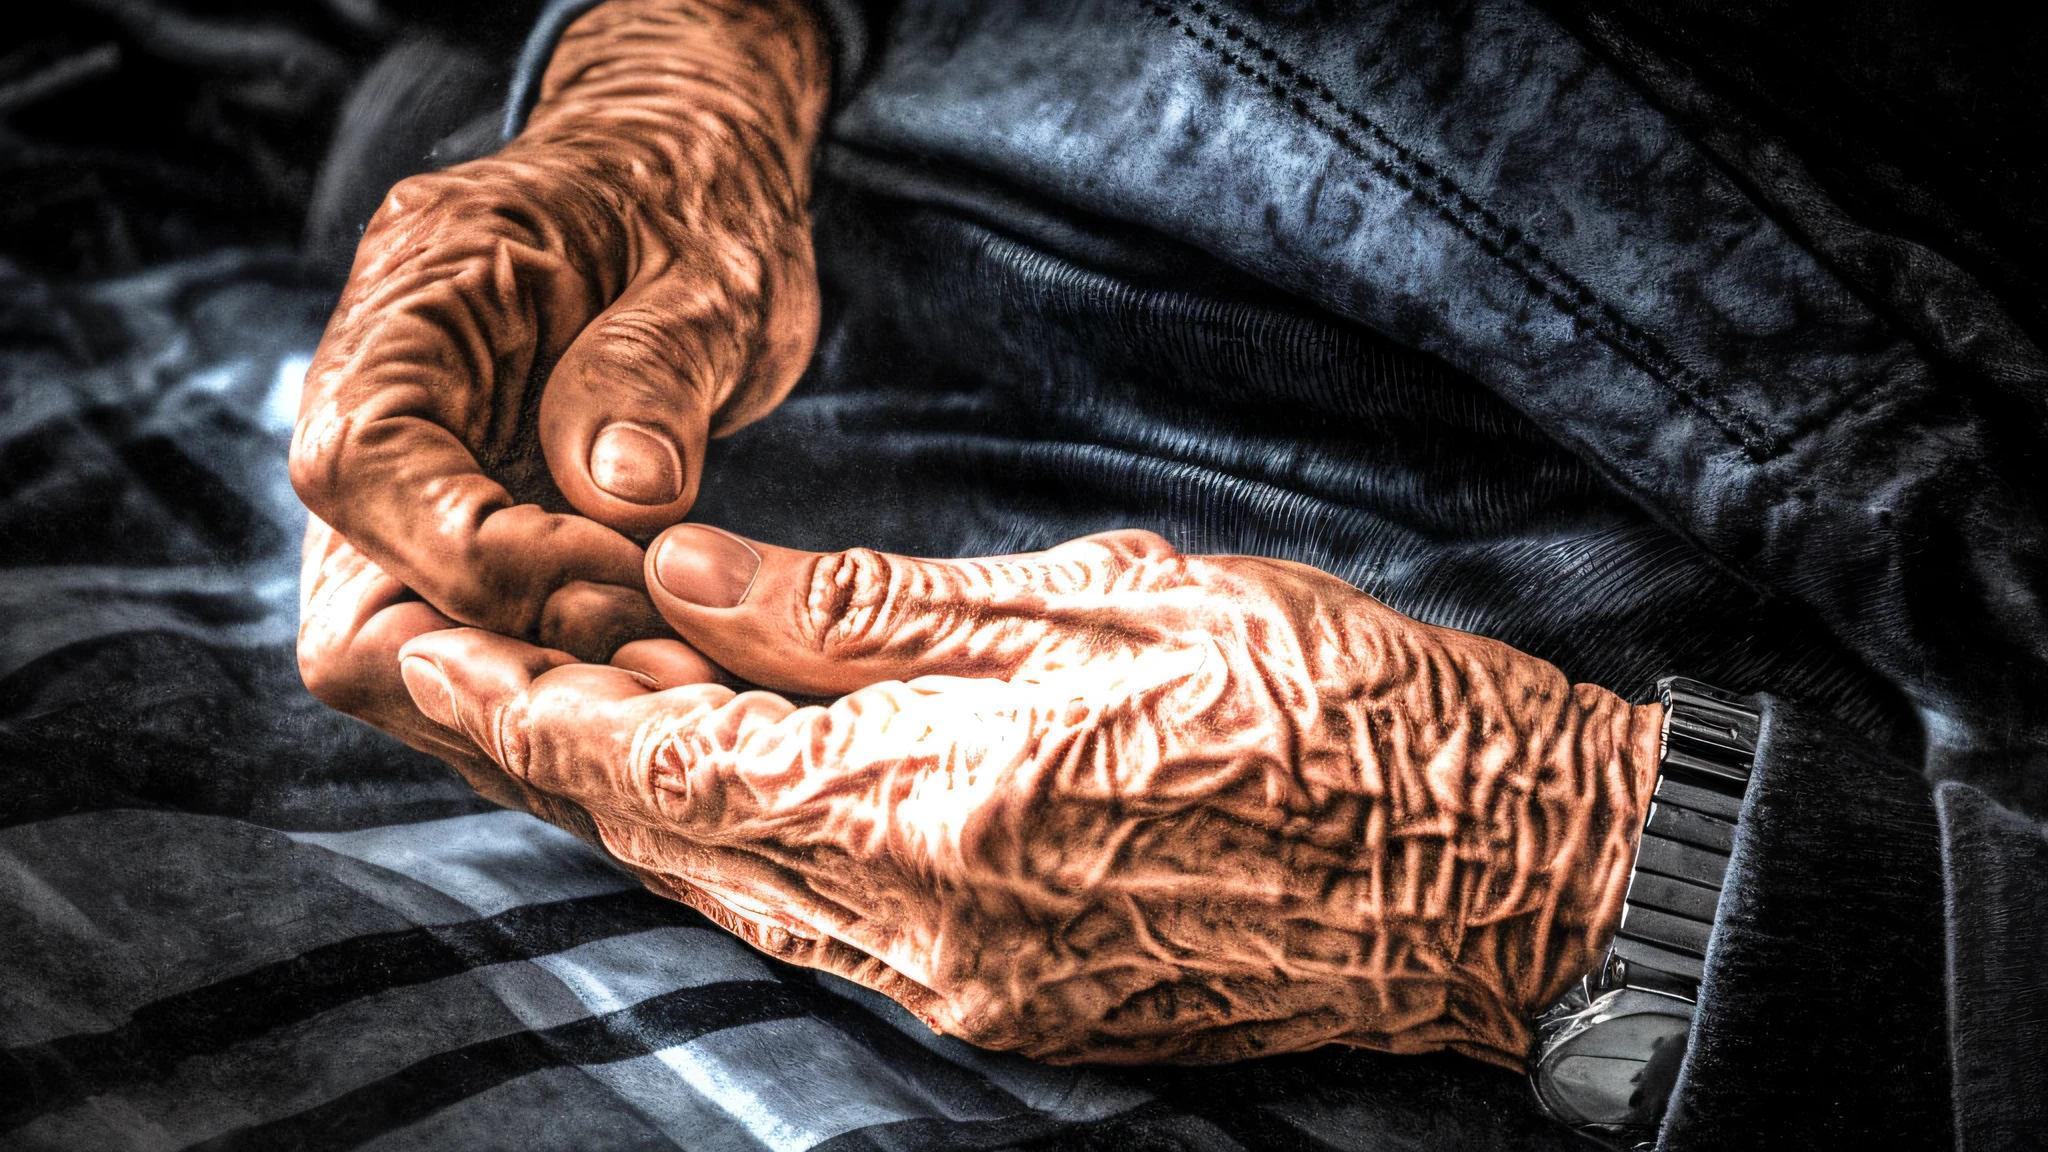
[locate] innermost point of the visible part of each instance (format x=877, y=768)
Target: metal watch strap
x=1608, y=1053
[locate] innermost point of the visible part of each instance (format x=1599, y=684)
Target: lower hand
x=1105, y=802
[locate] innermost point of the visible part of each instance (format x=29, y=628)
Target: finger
x=412, y=498
x=350, y=614
x=667, y=663
x=491, y=669
x=827, y=824
x=354, y=619
x=420, y=376
x=824, y=624
x=592, y=621
x=696, y=762
x=713, y=798
x=565, y=728
x=627, y=410
x=684, y=352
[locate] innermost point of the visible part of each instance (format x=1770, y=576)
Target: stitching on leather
x=1500, y=240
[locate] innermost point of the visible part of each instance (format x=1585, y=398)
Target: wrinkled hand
x=1105, y=802
x=644, y=249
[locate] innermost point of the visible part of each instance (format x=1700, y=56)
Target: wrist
x=1610, y=1047
x=1539, y=784
x=687, y=91
x=1614, y=759
x=1558, y=853
x=671, y=145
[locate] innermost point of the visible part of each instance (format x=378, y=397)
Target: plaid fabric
x=484, y=981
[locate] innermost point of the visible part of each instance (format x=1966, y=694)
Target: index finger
x=424, y=367
x=725, y=797
x=354, y=618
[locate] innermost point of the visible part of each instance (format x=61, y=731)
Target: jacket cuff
x=1820, y=1018
x=844, y=21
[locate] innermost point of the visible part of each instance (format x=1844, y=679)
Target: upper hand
x=574, y=315
x=570, y=317
x=1105, y=802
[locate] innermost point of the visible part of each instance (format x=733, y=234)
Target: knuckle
x=471, y=208
x=433, y=194
x=634, y=329
x=327, y=674
x=1124, y=560
x=848, y=602
x=1139, y=544
x=311, y=467
x=466, y=602
x=326, y=462
x=699, y=727
x=1131, y=544
x=511, y=739
x=657, y=766
x=659, y=353
x=319, y=675
x=990, y=1015
x=634, y=323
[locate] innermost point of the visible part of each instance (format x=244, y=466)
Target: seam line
x=1304, y=94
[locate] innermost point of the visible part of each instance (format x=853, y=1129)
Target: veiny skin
x=1101, y=803
x=1104, y=803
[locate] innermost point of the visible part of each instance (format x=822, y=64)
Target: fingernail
x=430, y=690
x=637, y=464
x=705, y=566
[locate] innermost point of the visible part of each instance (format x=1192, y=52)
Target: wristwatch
x=1607, y=1054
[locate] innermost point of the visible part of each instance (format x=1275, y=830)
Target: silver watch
x=1607, y=1054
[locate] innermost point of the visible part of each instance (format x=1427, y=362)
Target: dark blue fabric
x=1997, y=899
x=1820, y=1017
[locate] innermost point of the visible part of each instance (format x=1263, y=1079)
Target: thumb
x=829, y=623
x=464, y=678
x=627, y=409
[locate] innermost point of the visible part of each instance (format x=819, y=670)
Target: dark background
x=134, y=132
